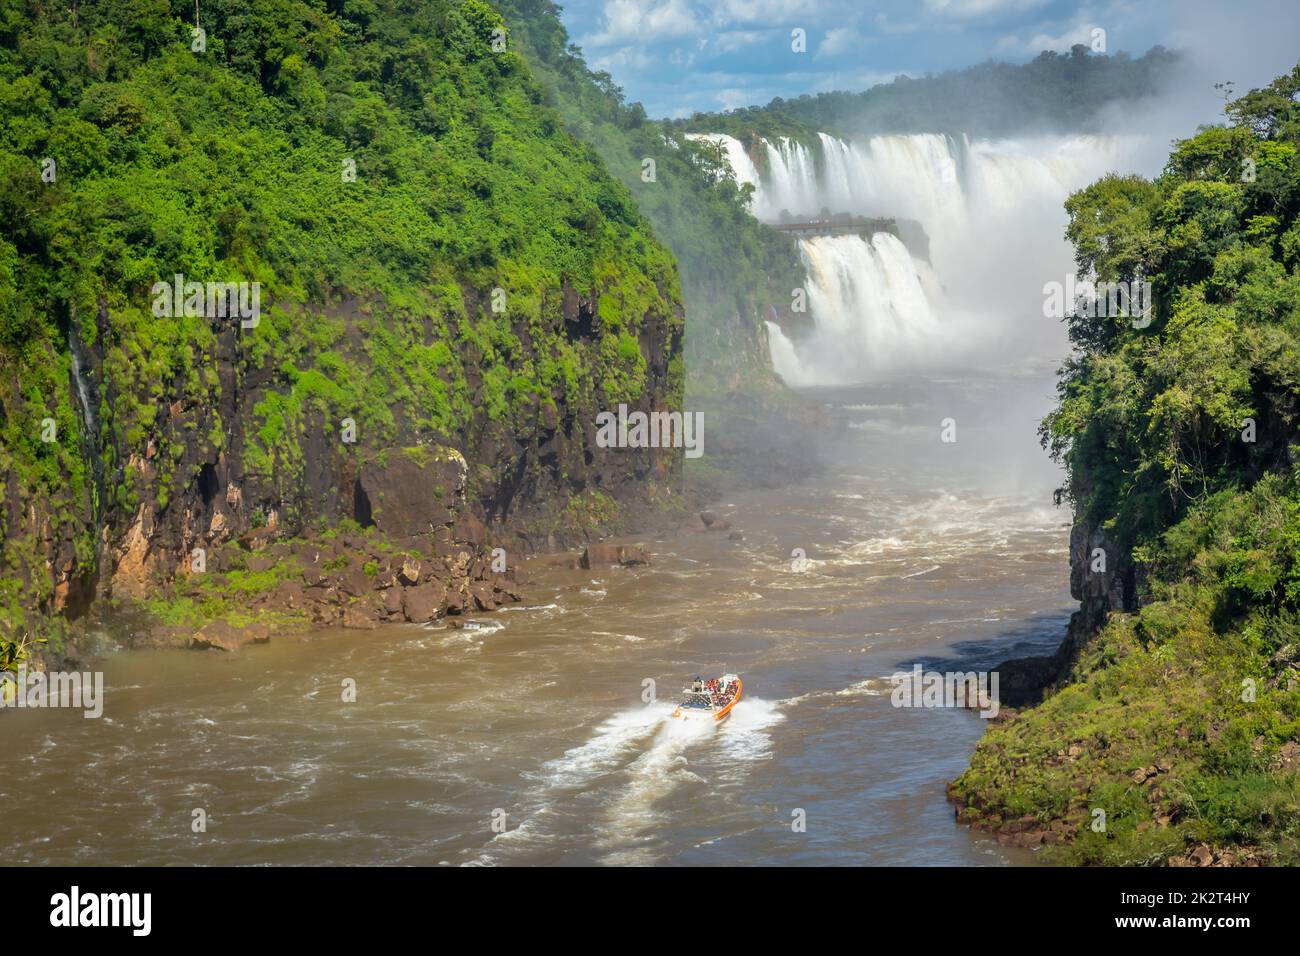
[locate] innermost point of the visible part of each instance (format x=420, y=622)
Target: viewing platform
x=835, y=226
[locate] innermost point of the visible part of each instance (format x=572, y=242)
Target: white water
x=993, y=215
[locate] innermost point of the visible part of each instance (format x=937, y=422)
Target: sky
x=682, y=56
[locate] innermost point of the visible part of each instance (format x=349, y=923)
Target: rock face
x=1103, y=578
x=181, y=428
x=409, y=491
x=207, y=497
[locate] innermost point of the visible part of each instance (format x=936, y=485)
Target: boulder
x=360, y=617
x=405, y=491
x=595, y=555
x=422, y=603
x=290, y=595
x=224, y=636
x=600, y=555
x=483, y=596
x=410, y=572
x=354, y=582
x=631, y=555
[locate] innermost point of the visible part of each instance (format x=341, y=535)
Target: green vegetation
x=1181, y=441
x=232, y=163
x=733, y=268
x=1054, y=92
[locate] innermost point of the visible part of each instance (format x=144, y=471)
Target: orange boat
x=710, y=699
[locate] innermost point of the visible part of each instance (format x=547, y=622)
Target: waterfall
x=992, y=213
x=871, y=309
x=76, y=352
x=79, y=379
x=784, y=358
x=792, y=186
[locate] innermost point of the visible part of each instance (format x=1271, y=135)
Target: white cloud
x=841, y=40
x=974, y=9
x=644, y=21
x=773, y=12
x=624, y=58
x=731, y=40
x=732, y=98
x=1080, y=32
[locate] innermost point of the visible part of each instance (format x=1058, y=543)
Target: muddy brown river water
x=917, y=550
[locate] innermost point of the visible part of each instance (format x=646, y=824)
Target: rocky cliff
x=434, y=290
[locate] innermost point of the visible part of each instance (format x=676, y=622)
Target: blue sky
x=679, y=56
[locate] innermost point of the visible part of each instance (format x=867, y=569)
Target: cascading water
x=77, y=353
x=992, y=214
x=79, y=378
x=851, y=278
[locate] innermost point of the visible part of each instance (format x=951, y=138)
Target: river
x=533, y=718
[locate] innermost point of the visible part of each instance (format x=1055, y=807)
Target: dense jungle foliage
x=1182, y=439
x=730, y=264
x=132, y=148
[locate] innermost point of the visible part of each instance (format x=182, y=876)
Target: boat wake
x=624, y=775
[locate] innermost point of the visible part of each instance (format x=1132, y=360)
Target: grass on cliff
x=734, y=270
x=233, y=162
x=1161, y=686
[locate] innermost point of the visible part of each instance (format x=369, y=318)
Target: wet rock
x=483, y=596
x=1021, y=681
x=595, y=555
x=601, y=555
x=422, y=603
x=457, y=600
x=359, y=617
x=632, y=555
x=223, y=636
